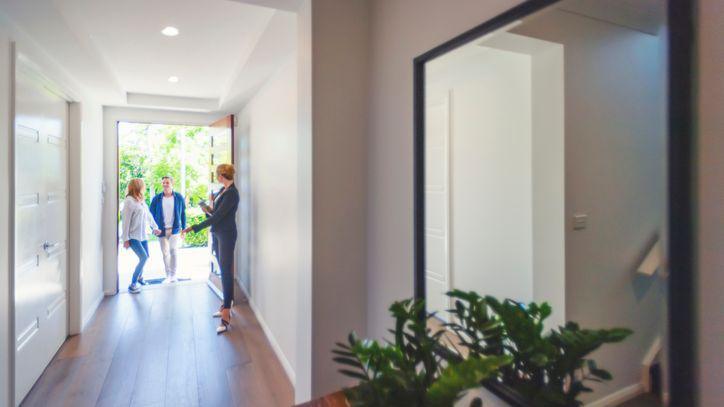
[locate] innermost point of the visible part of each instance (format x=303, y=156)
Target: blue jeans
x=141, y=250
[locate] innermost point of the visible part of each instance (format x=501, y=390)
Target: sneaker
x=173, y=279
x=141, y=281
x=134, y=289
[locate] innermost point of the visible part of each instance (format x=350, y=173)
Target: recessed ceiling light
x=170, y=31
x=173, y=79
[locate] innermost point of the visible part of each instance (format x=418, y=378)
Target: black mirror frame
x=681, y=188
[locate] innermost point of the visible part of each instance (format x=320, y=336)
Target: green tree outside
x=153, y=151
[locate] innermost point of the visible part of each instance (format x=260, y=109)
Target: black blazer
x=223, y=218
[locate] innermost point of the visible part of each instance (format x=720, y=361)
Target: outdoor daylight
x=154, y=151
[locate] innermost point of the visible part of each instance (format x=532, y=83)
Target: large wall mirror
x=544, y=175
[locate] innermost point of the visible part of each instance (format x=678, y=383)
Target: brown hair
x=226, y=170
x=135, y=188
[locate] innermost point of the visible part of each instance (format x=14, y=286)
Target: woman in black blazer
x=222, y=219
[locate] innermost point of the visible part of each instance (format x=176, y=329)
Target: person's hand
x=126, y=244
x=157, y=232
x=187, y=230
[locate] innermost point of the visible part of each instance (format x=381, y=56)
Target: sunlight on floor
x=193, y=263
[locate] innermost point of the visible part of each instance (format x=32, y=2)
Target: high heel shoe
x=217, y=314
x=225, y=321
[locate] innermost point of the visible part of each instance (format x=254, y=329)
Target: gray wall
x=711, y=202
x=303, y=385
x=340, y=31
x=401, y=30
x=397, y=38
x=615, y=159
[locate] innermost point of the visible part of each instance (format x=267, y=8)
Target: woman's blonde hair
x=136, y=187
x=226, y=170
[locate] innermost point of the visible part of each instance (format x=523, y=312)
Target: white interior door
x=41, y=224
x=437, y=197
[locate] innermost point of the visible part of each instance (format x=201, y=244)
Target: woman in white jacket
x=137, y=221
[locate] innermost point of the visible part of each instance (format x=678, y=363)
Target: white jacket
x=137, y=220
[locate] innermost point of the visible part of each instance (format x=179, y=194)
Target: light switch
x=580, y=221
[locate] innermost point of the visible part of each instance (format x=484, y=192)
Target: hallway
x=159, y=348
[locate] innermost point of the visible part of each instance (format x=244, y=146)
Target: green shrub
x=196, y=239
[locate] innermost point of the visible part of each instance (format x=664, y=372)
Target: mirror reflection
x=545, y=179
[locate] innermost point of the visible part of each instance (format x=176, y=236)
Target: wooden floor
x=160, y=348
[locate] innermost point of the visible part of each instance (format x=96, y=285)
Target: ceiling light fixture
x=170, y=31
x=173, y=79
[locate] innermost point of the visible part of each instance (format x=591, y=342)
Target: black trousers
x=225, y=243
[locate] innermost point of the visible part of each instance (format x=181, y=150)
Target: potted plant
x=548, y=368
x=503, y=341
x=415, y=369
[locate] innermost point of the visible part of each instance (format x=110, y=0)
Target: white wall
x=507, y=194
x=711, y=203
x=85, y=205
x=268, y=260
x=91, y=176
x=491, y=213
x=549, y=252
x=112, y=115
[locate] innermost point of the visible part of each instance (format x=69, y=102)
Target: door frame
x=111, y=117
x=73, y=292
x=214, y=281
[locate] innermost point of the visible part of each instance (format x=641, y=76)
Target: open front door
x=221, y=150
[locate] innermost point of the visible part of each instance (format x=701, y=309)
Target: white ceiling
x=643, y=15
x=115, y=48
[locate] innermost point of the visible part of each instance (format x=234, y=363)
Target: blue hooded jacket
x=179, y=212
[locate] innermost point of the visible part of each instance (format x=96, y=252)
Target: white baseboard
x=618, y=397
x=272, y=340
x=91, y=311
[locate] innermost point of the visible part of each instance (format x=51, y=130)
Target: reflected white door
x=437, y=197
x=41, y=222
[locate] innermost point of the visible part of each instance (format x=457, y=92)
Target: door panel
x=221, y=151
x=437, y=195
x=41, y=227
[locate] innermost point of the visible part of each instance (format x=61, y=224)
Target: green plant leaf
x=467, y=374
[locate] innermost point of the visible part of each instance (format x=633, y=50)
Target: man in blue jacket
x=169, y=211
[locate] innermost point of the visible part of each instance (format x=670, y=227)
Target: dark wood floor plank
x=160, y=348
x=118, y=386
x=213, y=387
x=51, y=387
x=247, y=387
x=181, y=382
x=264, y=357
x=150, y=386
